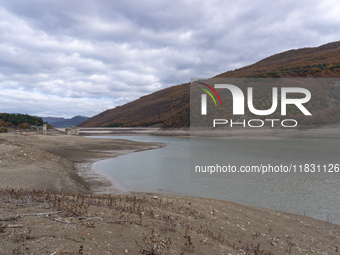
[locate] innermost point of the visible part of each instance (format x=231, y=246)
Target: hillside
x=171, y=106
x=323, y=61
x=51, y=120
x=18, y=120
x=62, y=122
x=169, y=103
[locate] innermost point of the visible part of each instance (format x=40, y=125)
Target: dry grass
x=36, y=222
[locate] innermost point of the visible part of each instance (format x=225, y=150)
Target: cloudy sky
x=66, y=58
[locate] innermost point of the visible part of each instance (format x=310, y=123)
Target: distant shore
x=324, y=132
x=270, y=134
x=100, y=131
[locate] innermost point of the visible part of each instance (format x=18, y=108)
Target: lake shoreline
x=59, y=163
x=223, y=226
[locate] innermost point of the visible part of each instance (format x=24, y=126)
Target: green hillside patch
x=21, y=120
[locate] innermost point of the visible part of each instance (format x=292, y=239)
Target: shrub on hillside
x=25, y=125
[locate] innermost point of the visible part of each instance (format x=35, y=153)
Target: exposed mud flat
x=58, y=163
x=48, y=221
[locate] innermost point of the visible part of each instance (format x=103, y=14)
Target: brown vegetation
x=171, y=106
x=323, y=61
x=147, y=110
x=36, y=222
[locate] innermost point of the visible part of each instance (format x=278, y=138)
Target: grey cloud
x=107, y=53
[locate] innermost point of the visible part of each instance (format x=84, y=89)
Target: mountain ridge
x=59, y=122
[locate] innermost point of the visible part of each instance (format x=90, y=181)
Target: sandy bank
x=50, y=162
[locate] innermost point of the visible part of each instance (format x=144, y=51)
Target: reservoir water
x=171, y=169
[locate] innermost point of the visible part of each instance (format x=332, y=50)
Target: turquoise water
x=171, y=169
